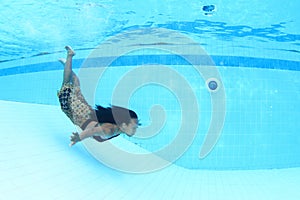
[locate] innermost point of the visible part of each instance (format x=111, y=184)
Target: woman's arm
x=87, y=133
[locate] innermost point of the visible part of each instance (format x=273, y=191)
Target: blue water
x=251, y=50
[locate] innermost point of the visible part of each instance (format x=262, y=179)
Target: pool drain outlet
x=213, y=84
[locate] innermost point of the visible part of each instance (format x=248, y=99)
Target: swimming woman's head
x=125, y=119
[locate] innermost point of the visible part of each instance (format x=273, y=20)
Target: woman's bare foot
x=62, y=61
x=70, y=51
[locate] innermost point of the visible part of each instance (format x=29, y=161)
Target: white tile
x=39, y=169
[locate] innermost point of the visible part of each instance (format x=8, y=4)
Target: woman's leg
x=69, y=75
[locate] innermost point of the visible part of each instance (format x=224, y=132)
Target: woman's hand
x=74, y=138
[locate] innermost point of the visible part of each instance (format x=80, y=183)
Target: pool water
x=216, y=91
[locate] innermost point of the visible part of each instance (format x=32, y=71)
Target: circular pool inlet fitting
x=213, y=84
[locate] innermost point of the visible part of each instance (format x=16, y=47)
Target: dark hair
x=114, y=115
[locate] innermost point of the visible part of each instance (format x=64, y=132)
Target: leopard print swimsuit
x=75, y=106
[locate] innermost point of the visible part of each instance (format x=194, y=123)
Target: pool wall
x=260, y=129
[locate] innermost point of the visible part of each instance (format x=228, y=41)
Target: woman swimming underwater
x=101, y=123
